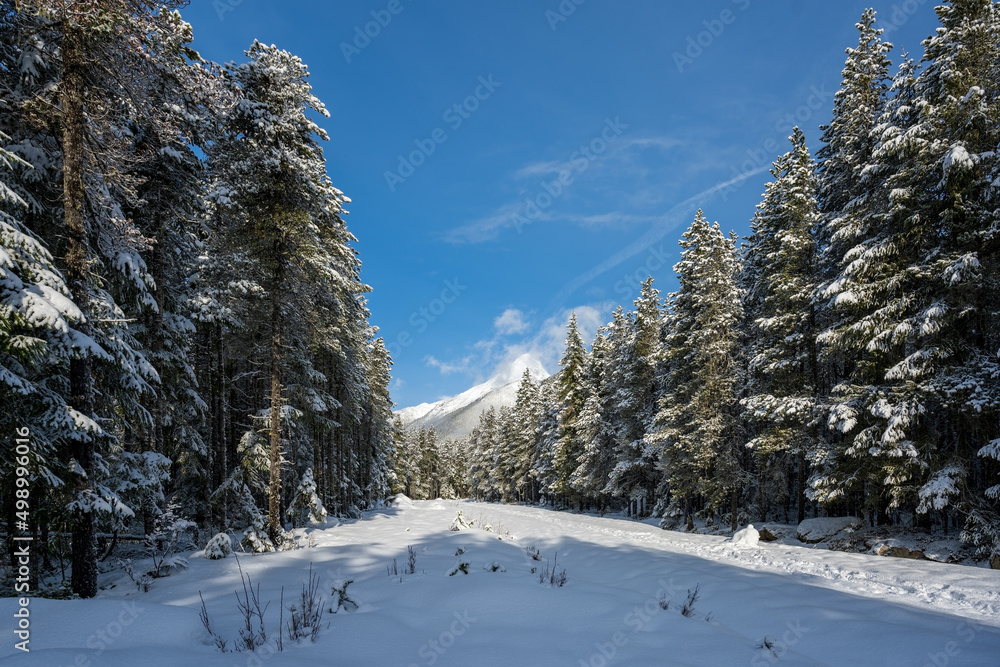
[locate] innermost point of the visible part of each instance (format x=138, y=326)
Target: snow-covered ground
x=765, y=605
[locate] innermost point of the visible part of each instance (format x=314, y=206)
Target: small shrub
x=343, y=600
x=462, y=567
x=220, y=643
x=460, y=522
x=218, y=547
x=142, y=581
x=170, y=534
x=533, y=552
x=664, y=602
x=411, y=560
x=494, y=567
x=460, y=551
x=687, y=609
x=307, y=617
x=555, y=576
x=252, y=634
x=392, y=570
x=768, y=644
x=255, y=537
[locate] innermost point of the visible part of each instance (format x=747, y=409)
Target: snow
x=957, y=157
x=747, y=537
x=810, y=606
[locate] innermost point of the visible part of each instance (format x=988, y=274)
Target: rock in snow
x=820, y=529
x=748, y=537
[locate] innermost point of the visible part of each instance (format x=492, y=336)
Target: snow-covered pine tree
x=636, y=348
x=572, y=394
x=867, y=276
x=697, y=427
x=597, y=457
x=270, y=181
x=306, y=505
x=37, y=333
x=782, y=400
x=484, y=444
x=169, y=210
x=104, y=80
x=923, y=403
x=546, y=437
x=846, y=187
x=849, y=139
x=524, y=417
x=376, y=446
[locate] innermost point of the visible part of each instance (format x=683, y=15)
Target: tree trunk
x=84, y=577
x=801, y=491
x=274, y=488
x=158, y=407
x=736, y=506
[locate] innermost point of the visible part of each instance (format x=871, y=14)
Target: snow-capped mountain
x=456, y=416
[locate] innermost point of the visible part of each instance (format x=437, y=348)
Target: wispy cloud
x=463, y=365
x=662, y=226
x=623, y=171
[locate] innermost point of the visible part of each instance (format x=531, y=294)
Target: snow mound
x=748, y=537
x=402, y=501
x=820, y=529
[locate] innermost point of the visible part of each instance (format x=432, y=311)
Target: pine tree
x=546, y=438
x=922, y=401
x=783, y=401
x=597, y=457
x=847, y=188
x=306, y=505
x=572, y=387
x=524, y=418
x=270, y=180
x=697, y=430
x=636, y=348
x=105, y=80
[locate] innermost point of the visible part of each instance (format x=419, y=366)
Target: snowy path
x=813, y=607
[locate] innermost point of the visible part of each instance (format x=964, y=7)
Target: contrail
x=660, y=229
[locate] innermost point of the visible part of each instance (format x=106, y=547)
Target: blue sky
x=511, y=161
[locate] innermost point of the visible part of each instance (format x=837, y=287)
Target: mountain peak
x=456, y=416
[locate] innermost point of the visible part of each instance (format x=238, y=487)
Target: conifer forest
x=186, y=344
